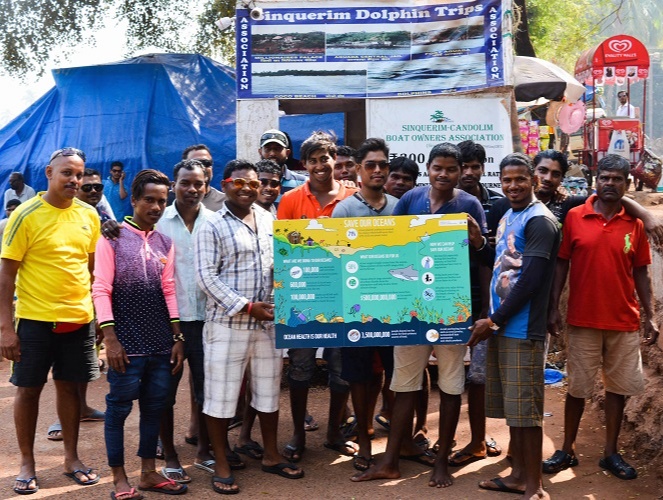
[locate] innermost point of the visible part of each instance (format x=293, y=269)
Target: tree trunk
x=523, y=44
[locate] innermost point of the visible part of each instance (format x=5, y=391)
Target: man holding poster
x=440, y=197
x=527, y=241
x=357, y=362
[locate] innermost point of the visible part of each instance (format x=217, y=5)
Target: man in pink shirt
x=134, y=296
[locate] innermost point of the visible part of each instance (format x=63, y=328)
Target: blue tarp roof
x=143, y=111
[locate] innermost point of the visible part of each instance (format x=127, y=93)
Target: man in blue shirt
x=115, y=192
x=527, y=242
x=440, y=197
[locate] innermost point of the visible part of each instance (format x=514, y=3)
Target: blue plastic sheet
x=143, y=112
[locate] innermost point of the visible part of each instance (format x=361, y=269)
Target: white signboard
x=413, y=126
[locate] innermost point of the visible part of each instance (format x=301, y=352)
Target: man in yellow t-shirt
x=49, y=244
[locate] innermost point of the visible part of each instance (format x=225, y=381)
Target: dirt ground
x=327, y=473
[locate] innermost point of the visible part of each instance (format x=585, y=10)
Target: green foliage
x=34, y=33
x=561, y=30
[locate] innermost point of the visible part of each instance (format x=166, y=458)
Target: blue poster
x=396, y=280
x=368, y=49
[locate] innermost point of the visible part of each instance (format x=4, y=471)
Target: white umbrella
x=536, y=78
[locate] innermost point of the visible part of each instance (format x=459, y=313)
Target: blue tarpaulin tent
x=143, y=111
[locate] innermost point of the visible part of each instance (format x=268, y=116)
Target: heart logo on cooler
x=619, y=45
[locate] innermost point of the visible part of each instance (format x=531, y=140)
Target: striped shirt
x=234, y=266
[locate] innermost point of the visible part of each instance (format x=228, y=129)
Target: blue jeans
x=147, y=379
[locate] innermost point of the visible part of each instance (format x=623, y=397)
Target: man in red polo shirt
x=609, y=253
x=314, y=199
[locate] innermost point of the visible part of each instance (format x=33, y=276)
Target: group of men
x=225, y=236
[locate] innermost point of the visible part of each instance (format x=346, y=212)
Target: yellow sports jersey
x=52, y=245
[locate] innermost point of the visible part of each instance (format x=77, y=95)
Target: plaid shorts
x=514, y=381
x=227, y=353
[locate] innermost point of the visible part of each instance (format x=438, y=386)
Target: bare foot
x=377, y=471
x=441, y=477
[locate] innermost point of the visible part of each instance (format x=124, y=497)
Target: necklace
x=363, y=200
x=519, y=214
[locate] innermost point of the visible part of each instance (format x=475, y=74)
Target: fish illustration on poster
x=396, y=280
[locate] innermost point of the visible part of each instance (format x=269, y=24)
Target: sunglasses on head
x=86, y=188
x=272, y=183
x=240, y=182
x=67, y=152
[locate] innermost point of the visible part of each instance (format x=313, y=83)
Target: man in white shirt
x=18, y=190
x=625, y=108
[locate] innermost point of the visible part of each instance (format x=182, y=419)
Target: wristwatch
x=492, y=325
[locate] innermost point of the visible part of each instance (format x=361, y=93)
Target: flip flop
x=89, y=482
x=293, y=453
x=383, y=421
x=492, y=448
x=419, y=458
x=126, y=495
x=26, y=482
x=95, y=416
x=207, y=465
x=463, y=458
x=310, y=424
x=50, y=434
x=362, y=463
x=234, y=422
x=167, y=471
x=279, y=469
x=235, y=461
x=501, y=487
x=251, y=449
x=342, y=448
x=230, y=480
x=161, y=488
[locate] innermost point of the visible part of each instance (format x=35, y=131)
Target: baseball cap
x=274, y=135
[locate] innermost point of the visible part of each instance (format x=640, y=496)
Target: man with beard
x=275, y=146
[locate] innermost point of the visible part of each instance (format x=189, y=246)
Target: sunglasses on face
x=116, y=170
x=205, y=162
x=239, y=183
x=370, y=165
x=86, y=188
x=68, y=152
x=272, y=183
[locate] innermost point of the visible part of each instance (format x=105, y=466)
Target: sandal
x=492, y=448
x=618, y=467
x=310, y=424
x=54, y=432
x=250, y=449
x=362, y=463
x=293, y=453
x=558, y=462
